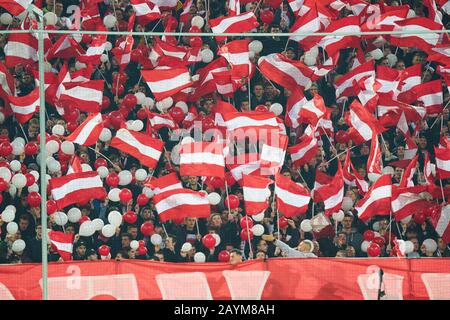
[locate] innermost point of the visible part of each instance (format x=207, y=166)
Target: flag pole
x=226, y=190
x=249, y=242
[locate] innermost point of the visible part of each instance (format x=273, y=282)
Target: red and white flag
x=25, y=107
x=122, y=53
x=237, y=54
x=366, y=89
x=323, y=69
x=88, y=132
x=87, y=96
x=294, y=104
x=443, y=162
x=181, y=203
x=139, y=145
x=220, y=109
x=241, y=123
x=411, y=39
x=75, y=165
x=309, y=23
x=21, y=48
x=361, y=183
x=296, y=6
x=165, y=183
x=234, y=8
x=363, y=125
x=158, y=121
x=430, y=94
x=95, y=50
x=389, y=80
x=440, y=54
x=184, y=16
x=166, y=82
x=62, y=243
x=76, y=188
x=256, y=193
x=332, y=44
x=440, y=219
x=321, y=180
x=7, y=87
x=332, y=193
x=272, y=155
x=15, y=7
x=409, y=78
x=407, y=177
x=407, y=201
x=235, y=24
x=146, y=11
x=288, y=73
x=374, y=160
x=165, y=4
x=427, y=171
x=377, y=201
x=248, y=163
x=313, y=110
x=304, y=151
x=206, y=81
x=202, y=159
x=292, y=198
x=224, y=83
x=386, y=21
x=65, y=47
x=344, y=85
x=349, y=179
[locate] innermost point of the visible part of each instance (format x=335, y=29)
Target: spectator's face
x=398, y=173
x=59, y=7
x=190, y=222
x=160, y=256
x=416, y=244
x=347, y=222
x=169, y=243
x=70, y=230
x=427, y=76
x=93, y=257
x=245, y=106
x=23, y=224
x=416, y=59
x=147, y=213
x=422, y=142
x=216, y=220
x=290, y=54
x=314, y=90
x=235, y=258
x=132, y=254
x=304, y=247
x=351, y=251
x=260, y=256
x=81, y=250
x=258, y=91
x=351, y=195
x=262, y=246
x=385, y=62
x=365, y=150
x=441, y=244
x=362, y=172
x=125, y=242
x=400, y=65
x=133, y=231
x=400, y=151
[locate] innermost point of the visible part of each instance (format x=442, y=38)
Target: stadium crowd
x=341, y=234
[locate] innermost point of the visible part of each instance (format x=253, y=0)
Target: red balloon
x=373, y=250
x=5, y=149
x=419, y=217
x=86, y=38
x=116, y=119
x=141, y=114
x=342, y=136
x=194, y=29
x=112, y=179
x=267, y=16
x=177, y=114
x=130, y=217
x=224, y=256
x=232, y=201
x=105, y=102
x=23, y=168
x=379, y=241
x=120, y=77
x=209, y=241
x=195, y=42
x=147, y=228
x=4, y=139
x=83, y=219
x=30, y=179
x=283, y=222
x=125, y=195
x=1, y=198
x=124, y=110
x=62, y=157
x=34, y=199
x=71, y=126
x=244, y=221
x=141, y=251
x=100, y=162
x=245, y=233
x=104, y=250
x=261, y=108
x=71, y=115
x=118, y=89
x=142, y=199
x=217, y=182
x=141, y=243
x=369, y=235
x=130, y=101
x=51, y=206
x=3, y=185
x=136, y=55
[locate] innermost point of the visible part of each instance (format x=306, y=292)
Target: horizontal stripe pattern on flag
x=202, y=159
x=63, y=243
x=87, y=96
x=443, y=162
x=406, y=202
x=165, y=183
x=20, y=49
x=239, y=23
x=344, y=85
x=304, y=151
x=256, y=193
x=76, y=188
x=139, y=145
x=25, y=107
x=88, y=132
x=333, y=193
x=292, y=198
x=15, y=7
x=167, y=82
x=146, y=11
x=248, y=163
x=377, y=201
x=242, y=123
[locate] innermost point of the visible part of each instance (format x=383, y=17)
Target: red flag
x=15, y=7
x=374, y=160
x=167, y=82
x=62, y=243
x=256, y=193
x=202, y=159
x=377, y=201
x=88, y=132
x=304, y=151
x=146, y=11
x=239, y=23
x=443, y=161
x=25, y=107
x=333, y=193
x=292, y=198
x=165, y=183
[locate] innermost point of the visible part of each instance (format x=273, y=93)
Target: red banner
x=283, y=278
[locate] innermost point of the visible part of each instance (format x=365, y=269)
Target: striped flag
x=166, y=82
x=304, y=151
x=239, y=23
x=25, y=107
x=377, y=201
x=20, y=49
x=292, y=198
x=87, y=96
x=62, y=243
x=165, y=183
x=88, y=132
x=256, y=193
x=15, y=7
x=443, y=161
x=202, y=159
x=146, y=11
x=333, y=193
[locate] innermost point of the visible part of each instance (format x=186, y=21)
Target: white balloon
x=377, y=54
x=54, y=166
x=187, y=140
x=276, y=108
x=388, y=170
x=18, y=148
x=134, y=244
x=255, y=46
x=347, y=204
x=105, y=135
x=85, y=167
x=148, y=102
x=140, y=96
x=19, y=180
x=113, y=194
x=217, y=237
x=183, y=106
x=11, y=208
x=364, y=245
x=109, y=21
x=18, y=245
x=309, y=60
x=104, y=58
x=12, y=227
x=74, y=215
x=103, y=171
x=98, y=224
x=167, y=103
x=409, y=247
x=15, y=165
x=115, y=218
x=207, y=55
x=392, y=58
x=60, y=218
x=50, y=19
x=33, y=188
x=214, y=198
x=35, y=174
x=175, y=154
x=80, y=65
x=125, y=177
x=430, y=245
x=140, y=174
x=305, y=225
x=52, y=147
x=251, y=54
x=406, y=220
x=128, y=124
x=338, y=216
x=58, y=130
x=5, y=174
x=12, y=190
x=137, y=125
x=68, y=148
x=6, y=18
x=87, y=229
x=8, y=215
x=156, y=239
x=198, y=22
x=373, y=176
x=376, y=226
x=258, y=230
x=258, y=217
x=108, y=230
x=186, y=247
x=199, y=257
x=148, y=192
x=19, y=140
x=411, y=14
